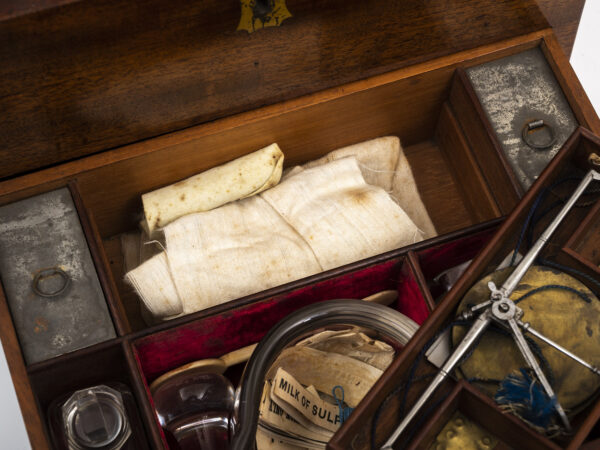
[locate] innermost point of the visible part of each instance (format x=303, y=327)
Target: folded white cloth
x=236, y=250
x=376, y=158
x=321, y=216
x=342, y=218
x=153, y=282
x=383, y=163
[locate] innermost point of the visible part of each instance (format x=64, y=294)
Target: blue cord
x=547, y=287
x=344, y=411
x=555, y=265
x=541, y=196
x=535, y=220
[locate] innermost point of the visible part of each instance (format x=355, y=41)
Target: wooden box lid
x=80, y=77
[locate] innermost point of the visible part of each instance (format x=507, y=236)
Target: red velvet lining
x=216, y=335
x=435, y=260
x=408, y=292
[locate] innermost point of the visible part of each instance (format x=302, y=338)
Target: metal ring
x=46, y=273
x=534, y=125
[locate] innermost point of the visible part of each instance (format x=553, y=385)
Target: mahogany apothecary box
x=115, y=99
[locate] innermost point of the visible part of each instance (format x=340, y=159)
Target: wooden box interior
x=103, y=363
x=572, y=158
x=428, y=106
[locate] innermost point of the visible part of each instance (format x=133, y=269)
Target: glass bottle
x=93, y=418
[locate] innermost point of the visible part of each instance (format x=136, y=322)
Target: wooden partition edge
x=578, y=236
x=570, y=84
x=101, y=263
x=440, y=413
x=137, y=385
x=33, y=183
x=482, y=203
x=507, y=190
x=415, y=268
x=16, y=365
x=66, y=357
x=585, y=428
x=471, y=397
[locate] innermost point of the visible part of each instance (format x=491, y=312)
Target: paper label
x=275, y=414
x=311, y=406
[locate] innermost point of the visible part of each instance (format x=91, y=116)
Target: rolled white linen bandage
x=232, y=181
x=317, y=219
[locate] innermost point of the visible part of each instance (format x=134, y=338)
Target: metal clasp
x=535, y=138
x=46, y=274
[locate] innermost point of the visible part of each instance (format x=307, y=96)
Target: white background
x=585, y=58
x=586, y=62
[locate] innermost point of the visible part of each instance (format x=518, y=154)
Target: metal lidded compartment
x=49, y=278
x=526, y=108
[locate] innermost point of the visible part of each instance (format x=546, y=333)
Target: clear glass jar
x=196, y=407
x=384, y=322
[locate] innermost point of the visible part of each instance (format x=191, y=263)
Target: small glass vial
x=92, y=418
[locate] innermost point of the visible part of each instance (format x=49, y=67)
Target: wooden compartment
x=104, y=363
x=479, y=409
x=216, y=335
x=158, y=352
x=584, y=245
x=574, y=157
x=419, y=108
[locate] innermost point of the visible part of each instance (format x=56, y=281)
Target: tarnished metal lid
x=527, y=109
x=49, y=278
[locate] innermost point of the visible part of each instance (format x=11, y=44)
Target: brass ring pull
x=45, y=274
x=532, y=129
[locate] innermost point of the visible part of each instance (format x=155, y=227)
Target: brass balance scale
x=501, y=310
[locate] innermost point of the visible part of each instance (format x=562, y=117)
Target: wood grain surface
x=101, y=264
x=407, y=102
x=564, y=16
x=91, y=75
x=482, y=137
